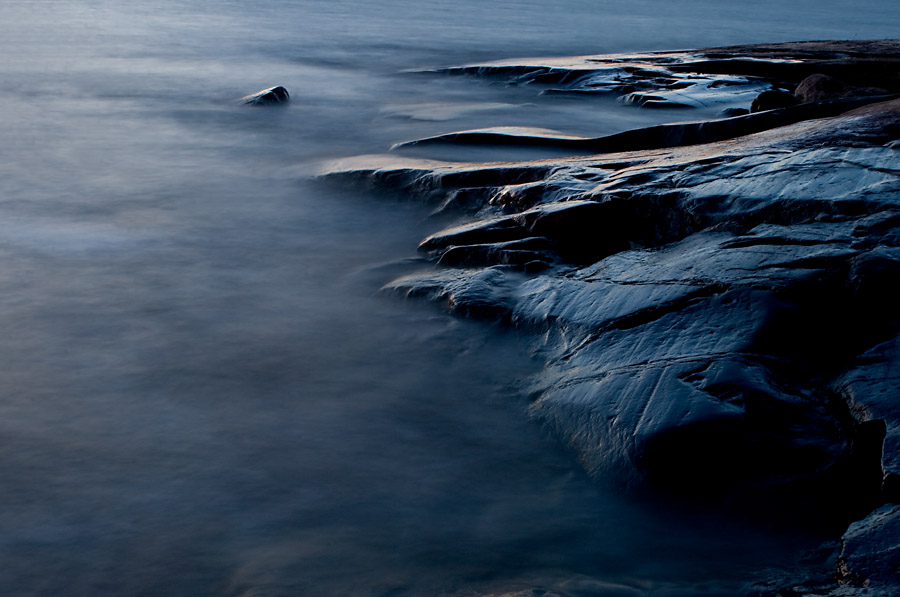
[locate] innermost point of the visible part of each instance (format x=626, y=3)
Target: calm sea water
x=202, y=391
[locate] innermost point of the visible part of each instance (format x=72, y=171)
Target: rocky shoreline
x=715, y=300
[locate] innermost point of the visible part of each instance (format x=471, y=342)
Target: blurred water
x=202, y=391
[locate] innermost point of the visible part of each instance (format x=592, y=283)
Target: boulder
x=732, y=112
x=870, y=557
x=267, y=97
x=819, y=87
x=772, y=100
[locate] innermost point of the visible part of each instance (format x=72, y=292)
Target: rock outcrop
x=870, y=552
x=717, y=313
x=818, y=87
x=721, y=78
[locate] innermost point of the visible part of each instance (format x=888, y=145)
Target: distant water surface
x=202, y=391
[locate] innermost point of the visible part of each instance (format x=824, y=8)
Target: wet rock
x=863, y=63
x=655, y=137
x=462, y=201
x=725, y=77
x=870, y=556
x=649, y=100
x=693, y=316
x=478, y=293
x=818, y=87
x=773, y=100
x=267, y=97
x=732, y=112
x=574, y=587
x=579, y=230
x=486, y=232
x=870, y=390
x=714, y=300
x=644, y=80
x=528, y=252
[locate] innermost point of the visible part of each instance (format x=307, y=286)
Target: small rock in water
x=267, y=97
x=772, y=100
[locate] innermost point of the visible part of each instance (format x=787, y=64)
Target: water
x=203, y=391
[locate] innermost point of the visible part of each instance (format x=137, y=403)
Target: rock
x=654, y=137
x=619, y=74
x=497, y=230
x=651, y=100
x=772, y=100
x=870, y=391
x=267, y=97
x=477, y=293
x=863, y=63
x=692, y=317
x=714, y=301
x=732, y=112
x=729, y=77
x=574, y=587
x=819, y=87
x=528, y=252
x=870, y=556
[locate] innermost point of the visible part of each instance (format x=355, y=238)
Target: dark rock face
x=718, y=319
x=267, y=97
x=818, y=87
x=772, y=100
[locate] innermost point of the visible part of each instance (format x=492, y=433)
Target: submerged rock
x=267, y=97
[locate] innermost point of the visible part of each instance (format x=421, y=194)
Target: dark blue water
x=202, y=391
